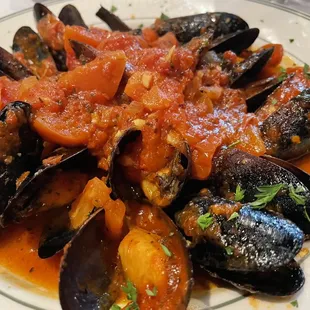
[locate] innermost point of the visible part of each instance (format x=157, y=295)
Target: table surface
x=11, y=6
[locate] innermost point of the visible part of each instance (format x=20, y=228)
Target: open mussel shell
x=113, y=21
x=233, y=167
x=34, y=51
x=236, y=42
x=257, y=92
x=56, y=235
x=85, y=53
x=11, y=67
x=20, y=149
x=283, y=281
x=40, y=10
x=187, y=27
x=59, y=55
x=92, y=268
x=159, y=188
x=24, y=201
x=253, y=241
x=286, y=132
x=71, y=16
x=247, y=70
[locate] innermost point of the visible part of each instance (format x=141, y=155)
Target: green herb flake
x=113, y=9
x=131, y=291
x=239, y=195
x=283, y=74
x=261, y=20
x=152, y=292
x=265, y=194
x=306, y=214
x=164, y=16
x=166, y=250
x=132, y=306
x=205, y=220
x=140, y=26
x=274, y=101
x=295, y=194
x=229, y=250
x=294, y=303
x=116, y=307
x=233, y=216
x=292, y=40
x=306, y=71
x=233, y=144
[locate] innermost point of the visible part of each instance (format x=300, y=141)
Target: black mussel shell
x=85, y=53
x=40, y=10
x=71, y=16
x=246, y=71
x=283, y=281
x=227, y=23
x=11, y=67
x=113, y=21
x=257, y=92
x=20, y=149
x=159, y=188
x=286, y=132
x=87, y=289
x=56, y=235
x=233, y=167
x=236, y=42
x=187, y=27
x=33, y=48
x=23, y=203
x=253, y=241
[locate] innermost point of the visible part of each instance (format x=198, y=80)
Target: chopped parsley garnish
x=166, y=250
x=306, y=214
x=274, y=101
x=292, y=40
x=234, y=144
x=116, y=307
x=283, y=74
x=261, y=20
x=130, y=291
x=113, y=9
x=164, y=16
x=233, y=216
x=205, y=220
x=306, y=71
x=266, y=193
x=140, y=26
x=239, y=195
x=152, y=292
x=229, y=250
x=294, y=303
x=295, y=194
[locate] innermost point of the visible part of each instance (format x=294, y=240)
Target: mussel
x=70, y=15
x=46, y=19
x=32, y=196
x=11, y=67
x=187, y=27
x=161, y=187
x=242, y=245
x=28, y=45
x=84, y=53
x=285, y=193
x=286, y=132
x=20, y=149
x=113, y=21
x=149, y=257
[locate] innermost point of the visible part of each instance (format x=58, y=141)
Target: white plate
x=276, y=24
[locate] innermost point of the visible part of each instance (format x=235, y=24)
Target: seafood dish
x=133, y=161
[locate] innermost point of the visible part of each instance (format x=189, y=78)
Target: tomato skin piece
x=102, y=74
x=48, y=133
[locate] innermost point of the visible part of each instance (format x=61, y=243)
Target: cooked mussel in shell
x=104, y=270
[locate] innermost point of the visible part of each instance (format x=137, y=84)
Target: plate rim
x=277, y=6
